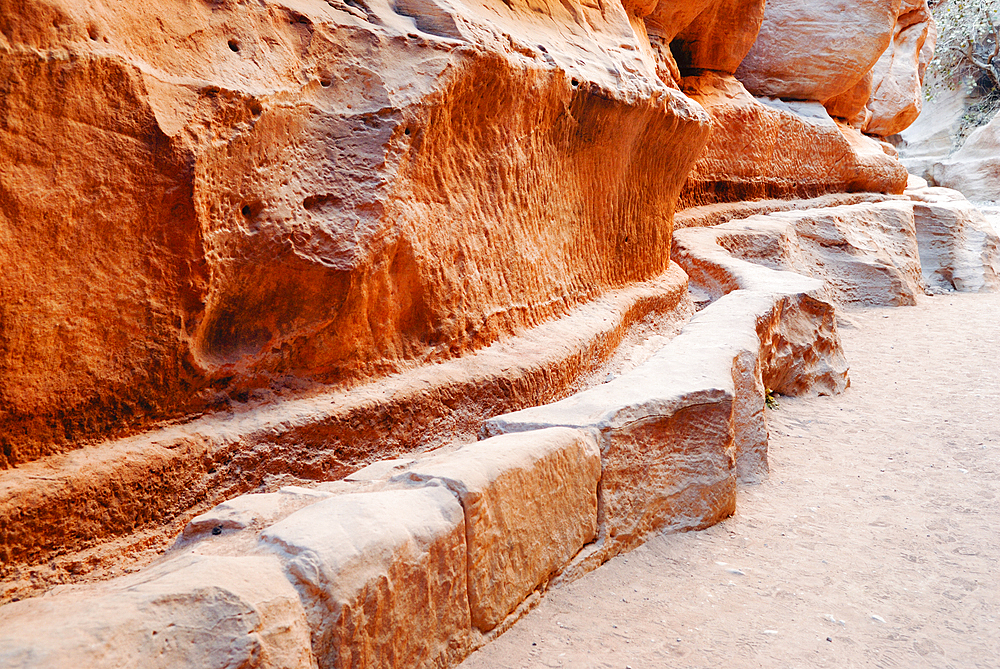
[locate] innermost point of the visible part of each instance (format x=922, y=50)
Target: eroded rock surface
x=398, y=220
x=959, y=249
x=310, y=192
x=203, y=611
x=214, y=203
x=897, y=78
x=530, y=505
x=817, y=50
x=975, y=168
x=864, y=253
x=786, y=150
x=372, y=565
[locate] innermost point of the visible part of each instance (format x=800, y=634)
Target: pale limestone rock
x=382, y=576
x=530, y=503
x=975, y=168
x=959, y=250
x=865, y=253
x=913, y=182
x=194, y=611
x=896, y=97
x=817, y=50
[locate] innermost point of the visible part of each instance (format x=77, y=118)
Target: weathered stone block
x=195, y=611
x=666, y=438
x=382, y=575
x=530, y=504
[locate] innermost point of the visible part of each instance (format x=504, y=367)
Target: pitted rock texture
x=309, y=192
x=216, y=203
x=384, y=571
x=72, y=501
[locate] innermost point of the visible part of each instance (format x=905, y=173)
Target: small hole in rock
x=233, y=46
x=407, y=132
x=576, y=82
x=325, y=83
x=542, y=49
x=217, y=530
x=92, y=33
x=246, y=211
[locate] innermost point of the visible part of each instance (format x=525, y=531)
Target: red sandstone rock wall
x=204, y=203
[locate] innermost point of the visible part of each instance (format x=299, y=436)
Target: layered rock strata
x=465, y=536
x=71, y=501
x=865, y=254
x=787, y=150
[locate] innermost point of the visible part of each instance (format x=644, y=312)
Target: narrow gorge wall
x=270, y=269
x=205, y=204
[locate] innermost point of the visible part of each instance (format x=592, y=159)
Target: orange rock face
x=260, y=196
x=214, y=204
x=786, y=150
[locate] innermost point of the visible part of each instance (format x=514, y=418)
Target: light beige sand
x=875, y=542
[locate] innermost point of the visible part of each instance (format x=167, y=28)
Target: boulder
x=897, y=93
x=530, y=502
x=816, y=51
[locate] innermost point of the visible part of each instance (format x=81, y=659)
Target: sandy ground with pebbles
x=875, y=541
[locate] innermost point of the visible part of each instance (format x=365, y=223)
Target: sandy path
x=875, y=542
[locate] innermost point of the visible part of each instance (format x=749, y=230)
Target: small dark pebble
x=217, y=530
x=829, y=639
